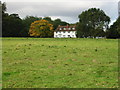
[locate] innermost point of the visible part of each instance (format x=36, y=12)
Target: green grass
x=59, y=63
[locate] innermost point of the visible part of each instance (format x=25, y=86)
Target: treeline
x=92, y=23
x=14, y=26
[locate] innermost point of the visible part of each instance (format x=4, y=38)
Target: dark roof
x=67, y=28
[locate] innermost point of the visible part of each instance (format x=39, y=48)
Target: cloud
x=65, y=10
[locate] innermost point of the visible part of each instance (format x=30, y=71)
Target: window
x=63, y=35
x=73, y=28
x=59, y=35
x=64, y=28
x=63, y=31
x=69, y=28
x=68, y=31
x=60, y=28
x=69, y=36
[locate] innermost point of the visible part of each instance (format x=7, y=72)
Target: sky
x=66, y=10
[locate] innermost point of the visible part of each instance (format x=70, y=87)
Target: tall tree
x=4, y=10
x=12, y=25
x=92, y=22
x=114, y=31
x=4, y=7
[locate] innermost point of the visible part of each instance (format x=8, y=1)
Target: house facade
x=65, y=32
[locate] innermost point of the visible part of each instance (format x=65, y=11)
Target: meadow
x=59, y=63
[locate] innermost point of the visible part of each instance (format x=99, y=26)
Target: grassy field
x=59, y=63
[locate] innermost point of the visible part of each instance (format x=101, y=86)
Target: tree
x=48, y=19
x=41, y=28
x=11, y=25
x=114, y=31
x=82, y=30
x=27, y=22
x=55, y=22
x=58, y=22
x=92, y=23
x=4, y=7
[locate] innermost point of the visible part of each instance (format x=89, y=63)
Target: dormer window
x=60, y=28
x=73, y=28
x=69, y=28
x=64, y=28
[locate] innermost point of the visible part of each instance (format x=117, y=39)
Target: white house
x=65, y=32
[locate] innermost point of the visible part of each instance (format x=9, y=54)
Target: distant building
x=119, y=8
x=65, y=32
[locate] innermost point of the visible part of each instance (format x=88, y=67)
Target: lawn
x=59, y=63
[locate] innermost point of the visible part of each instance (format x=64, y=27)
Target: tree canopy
x=27, y=22
x=92, y=23
x=55, y=22
x=114, y=31
x=48, y=19
x=3, y=7
x=41, y=28
x=11, y=25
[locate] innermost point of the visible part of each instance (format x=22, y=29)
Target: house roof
x=67, y=28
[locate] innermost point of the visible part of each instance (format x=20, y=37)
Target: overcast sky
x=66, y=10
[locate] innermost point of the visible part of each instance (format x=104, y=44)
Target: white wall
x=67, y=34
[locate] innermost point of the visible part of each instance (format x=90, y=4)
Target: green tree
x=11, y=25
x=4, y=10
x=48, y=19
x=114, y=31
x=27, y=22
x=4, y=7
x=92, y=23
x=58, y=22
x=55, y=22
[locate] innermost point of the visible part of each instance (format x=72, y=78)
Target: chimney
x=67, y=25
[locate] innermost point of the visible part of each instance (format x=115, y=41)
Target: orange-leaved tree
x=41, y=28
